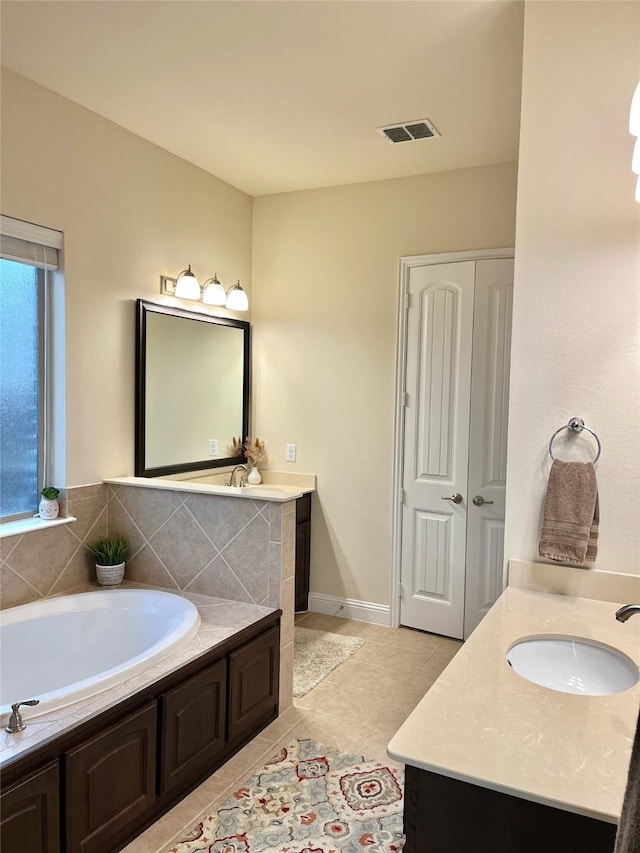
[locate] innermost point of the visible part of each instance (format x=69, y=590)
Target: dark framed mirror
x=192, y=389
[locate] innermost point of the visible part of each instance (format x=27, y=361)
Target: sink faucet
x=625, y=612
x=16, y=723
x=233, y=475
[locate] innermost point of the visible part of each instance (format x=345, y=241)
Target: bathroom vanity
x=90, y=777
x=496, y=762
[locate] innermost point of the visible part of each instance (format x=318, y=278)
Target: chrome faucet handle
x=16, y=723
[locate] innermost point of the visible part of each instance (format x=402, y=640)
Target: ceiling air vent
x=408, y=131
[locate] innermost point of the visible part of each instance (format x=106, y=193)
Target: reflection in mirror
x=192, y=389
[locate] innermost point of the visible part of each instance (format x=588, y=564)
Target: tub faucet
x=16, y=723
x=625, y=612
x=231, y=481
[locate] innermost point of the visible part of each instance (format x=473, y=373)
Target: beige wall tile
x=286, y=676
x=147, y=568
x=40, y=556
x=286, y=622
x=288, y=545
x=149, y=508
x=14, y=590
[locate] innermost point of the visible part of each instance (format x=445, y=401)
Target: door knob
x=457, y=498
x=479, y=501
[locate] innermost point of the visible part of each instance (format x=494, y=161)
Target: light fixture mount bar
x=168, y=285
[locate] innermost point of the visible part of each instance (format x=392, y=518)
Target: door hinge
x=403, y=496
x=400, y=590
x=407, y=301
x=405, y=399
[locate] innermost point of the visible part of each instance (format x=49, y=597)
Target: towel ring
x=576, y=425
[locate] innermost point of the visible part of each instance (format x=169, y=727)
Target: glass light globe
x=237, y=299
x=187, y=285
x=213, y=293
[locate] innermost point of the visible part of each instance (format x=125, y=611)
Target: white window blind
x=29, y=244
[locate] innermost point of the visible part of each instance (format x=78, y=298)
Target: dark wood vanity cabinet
x=30, y=813
x=111, y=782
x=444, y=815
x=303, y=553
x=97, y=786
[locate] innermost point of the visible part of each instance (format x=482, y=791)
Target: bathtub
x=64, y=649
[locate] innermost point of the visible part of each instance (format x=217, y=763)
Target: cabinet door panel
x=111, y=782
x=193, y=727
x=253, y=682
x=303, y=554
x=31, y=814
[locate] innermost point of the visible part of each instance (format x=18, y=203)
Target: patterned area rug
x=316, y=654
x=307, y=800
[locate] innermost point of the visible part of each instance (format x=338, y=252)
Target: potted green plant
x=110, y=553
x=49, y=507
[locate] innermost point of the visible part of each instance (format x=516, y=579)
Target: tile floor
x=357, y=707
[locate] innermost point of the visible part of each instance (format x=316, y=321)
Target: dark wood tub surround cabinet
x=30, y=813
x=94, y=788
x=253, y=682
x=111, y=781
x=444, y=815
x=193, y=726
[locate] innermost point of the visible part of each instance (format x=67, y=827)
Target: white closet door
x=438, y=373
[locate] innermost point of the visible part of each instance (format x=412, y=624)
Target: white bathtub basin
x=64, y=649
x=573, y=665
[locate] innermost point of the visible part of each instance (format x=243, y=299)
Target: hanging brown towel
x=628, y=835
x=571, y=514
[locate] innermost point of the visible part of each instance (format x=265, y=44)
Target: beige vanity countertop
x=484, y=724
x=274, y=487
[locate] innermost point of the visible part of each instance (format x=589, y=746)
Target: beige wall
x=325, y=284
x=576, y=327
x=129, y=212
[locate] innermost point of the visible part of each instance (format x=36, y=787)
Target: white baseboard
x=349, y=608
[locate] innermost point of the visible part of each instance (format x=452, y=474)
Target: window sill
x=27, y=525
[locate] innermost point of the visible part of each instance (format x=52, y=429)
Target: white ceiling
x=276, y=96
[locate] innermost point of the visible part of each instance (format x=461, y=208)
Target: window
x=26, y=257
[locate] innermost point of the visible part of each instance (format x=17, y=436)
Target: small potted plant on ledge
x=49, y=508
x=110, y=553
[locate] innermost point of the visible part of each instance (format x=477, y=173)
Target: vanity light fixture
x=212, y=292
x=634, y=130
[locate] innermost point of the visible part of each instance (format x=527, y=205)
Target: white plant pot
x=110, y=575
x=254, y=476
x=48, y=509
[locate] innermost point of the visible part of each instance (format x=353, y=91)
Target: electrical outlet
x=213, y=447
x=291, y=453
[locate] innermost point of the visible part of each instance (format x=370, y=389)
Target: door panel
x=438, y=372
x=488, y=436
x=432, y=551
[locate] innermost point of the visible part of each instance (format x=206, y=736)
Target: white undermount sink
x=573, y=665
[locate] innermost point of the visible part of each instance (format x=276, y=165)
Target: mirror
x=192, y=389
